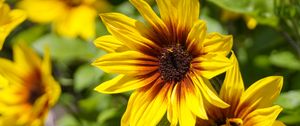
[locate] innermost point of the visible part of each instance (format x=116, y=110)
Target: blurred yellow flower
x=253, y=107
x=70, y=18
x=229, y=15
x=9, y=19
x=28, y=90
x=166, y=61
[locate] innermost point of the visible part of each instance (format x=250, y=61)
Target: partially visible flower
x=229, y=15
x=70, y=18
x=29, y=90
x=9, y=19
x=253, y=107
x=167, y=62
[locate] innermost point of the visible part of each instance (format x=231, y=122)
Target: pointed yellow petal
x=172, y=112
x=168, y=11
x=188, y=12
x=129, y=31
x=129, y=63
x=211, y=65
x=185, y=116
x=10, y=19
x=207, y=92
x=3, y=82
x=124, y=83
x=233, y=85
x=217, y=43
x=262, y=93
x=150, y=16
x=110, y=44
x=147, y=105
x=194, y=99
x=263, y=116
x=196, y=37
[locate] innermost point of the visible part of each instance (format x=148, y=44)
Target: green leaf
x=86, y=76
x=68, y=120
x=106, y=115
x=31, y=34
x=261, y=10
x=66, y=49
x=285, y=59
x=289, y=100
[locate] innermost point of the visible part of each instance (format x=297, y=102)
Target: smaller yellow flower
x=70, y=18
x=9, y=19
x=252, y=107
x=27, y=88
x=229, y=15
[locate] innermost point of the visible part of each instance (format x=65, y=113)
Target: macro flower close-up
x=70, y=18
x=167, y=61
x=28, y=90
x=9, y=19
x=149, y=62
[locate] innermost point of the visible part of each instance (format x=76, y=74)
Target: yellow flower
x=9, y=19
x=229, y=15
x=167, y=61
x=252, y=107
x=29, y=90
x=70, y=18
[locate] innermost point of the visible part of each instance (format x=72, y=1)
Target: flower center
x=174, y=63
x=73, y=3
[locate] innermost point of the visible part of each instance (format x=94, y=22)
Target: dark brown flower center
x=174, y=63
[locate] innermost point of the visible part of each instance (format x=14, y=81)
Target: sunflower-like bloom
x=9, y=19
x=28, y=89
x=70, y=18
x=249, y=20
x=252, y=107
x=167, y=61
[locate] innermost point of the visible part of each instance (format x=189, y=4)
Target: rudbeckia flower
x=166, y=61
x=9, y=19
x=28, y=91
x=70, y=18
x=251, y=107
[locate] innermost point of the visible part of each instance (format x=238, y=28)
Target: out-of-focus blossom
x=70, y=18
x=229, y=15
x=9, y=19
x=27, y=90
x=252, y=107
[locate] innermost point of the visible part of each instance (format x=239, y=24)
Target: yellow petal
x=217, y=43
x=129, y=63
x=188, y=12
x=182, y=13
x=110, y=44
x=150, y=16
x=124, y=83
x=207, y=91
x=194, y=99
x=196, y=37
x=233, y=85
x=263, y=116
x=11, y=18
x=42, y=11
x=172, y=112
x=26, y=58
x=211, y=65
x=185, y=116
x=77, y=21
x=3, y=82
x=129, y=31
x=149, y=105
x=260, y=94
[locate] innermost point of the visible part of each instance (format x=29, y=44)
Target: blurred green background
x=266, y=41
